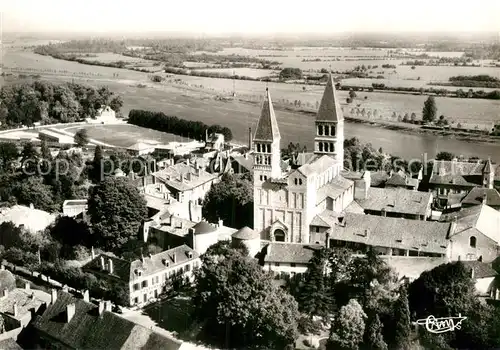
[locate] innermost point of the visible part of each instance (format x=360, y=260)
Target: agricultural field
x=125, y=135
x=245, y=72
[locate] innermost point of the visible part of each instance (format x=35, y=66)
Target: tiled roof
x=399, y=233
x=378, y=178
x=204, y=227
x=455, y=172
x=412, y=266
x=245, y=233
x=171, y=177
x=329, y=108
x=482, y=218
x=9, y=344
x=33, y=219
x=396, y=200
x=352, y=175
x=317, y=165
x=401, y=179
x=476, y=196
x=481, y=269
x=246, y=163
x=319, y=221
x=150, y=265
x=267, y=126
x=333, y=189
x=25, y=300
x=281, y=252
x=354, y=207
x=172, y=224
x=304, y=158
x=89, y=330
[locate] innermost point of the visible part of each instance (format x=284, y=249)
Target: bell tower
x=266, y=143
x=329, y=125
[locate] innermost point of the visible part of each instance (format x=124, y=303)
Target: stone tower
x=329, y=125
x=488, y=174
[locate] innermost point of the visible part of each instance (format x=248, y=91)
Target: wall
x=460, y=248
x=483, y=285
x=285, y=268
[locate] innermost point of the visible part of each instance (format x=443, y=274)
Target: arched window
x=300, y=181
x=258, y=147
x=296, y=182
x=332, y=130
x=331, y=146
x=320, y=146
x=279, y=235
x=268, y=148
x=320, y=130
x=472, y=242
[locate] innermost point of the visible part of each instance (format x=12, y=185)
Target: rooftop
x=396, y=200
x=456, y=172
x=329, y=108
x=267, y=126
x=290, y=252
x=74, y=202
x=477, y=195
x=89, y=330
x=25, y=300
x=317, y=165
x=398, y=233
x=333, y=189
x=191, y=177
x=149, y=265
x=481, y=269
x=9, y=344
x=246, y=233
x=482, y=218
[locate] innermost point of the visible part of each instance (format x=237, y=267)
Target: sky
x=252, y=17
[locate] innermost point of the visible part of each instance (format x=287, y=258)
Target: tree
x=443, y=155
x=290, y=74
x=8, y=154
x=402, y=321
x=81, y=138
x=116, y=210
x=32, y=190
x=96, y=169
x=352, y=94
x=45, y=151
x=348, y=327
x=429, y=111
x=374, y=339
x=230, y=200
x=413, y=117
x=239, y=305
x=313, y=298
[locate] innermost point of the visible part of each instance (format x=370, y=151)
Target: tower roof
x=267, y=127
x=488, y=167
x=329, y=109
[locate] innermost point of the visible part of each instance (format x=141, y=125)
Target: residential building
x=388, y=236
x=456, y=177
x=18, y=306
x=104, y=115
x=73, y=323
x=400, y=179
x=288, y=259
x=480, y=195
x=146, y=278
x=187, y=184
x=394, y=202
x=285, y=202
x=475, y=234
x=29, y=218
x=141, y=148
x=55, y=136
x=74, y=207
x=248, y=238
x=215, y=142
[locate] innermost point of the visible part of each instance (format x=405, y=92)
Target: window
x=187, y=268
x=276, y=264
x=320, y=130
x=292, y=265
x=320, y=146
x=145, y=297
x=279, y=235
x=296, y=182
x=300, y=181
x=268, y=148
x=258, y=147
x=331, y=147
x=317, y=229
x=472, y=242
x=144, y=284
x=136, y=300
x=137, y=286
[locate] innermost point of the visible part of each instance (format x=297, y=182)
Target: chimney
x=15, y=310
x=108, y=306
x=383, y=212
x=5, y=293
x=53, y=296
x=103, y=263
x=86, y=295
x=249, y=139
x=65, y=288
x=2, y=267
x=365, y=234
x=206, y=135
x=101, y=307
x=485, y=197
x=188, y=176
x=472, y=273
x=174, y=258
x=110, y=266
x=32, y=206
x=92, y=252
x=70, y=312
x=27, y=286
x=221, y=223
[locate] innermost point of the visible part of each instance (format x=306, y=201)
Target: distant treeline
x=48, y=103
x=206, y=74
x=159, y=121
x=483, y=80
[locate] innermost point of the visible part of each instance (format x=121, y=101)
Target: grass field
x=125, y=135
x=245, y=72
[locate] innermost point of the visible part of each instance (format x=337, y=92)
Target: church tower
x=266, y=144
x=329, y=125
x=488, y=174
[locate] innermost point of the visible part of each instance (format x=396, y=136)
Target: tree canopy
x=430, y=110
x=240, y=307
x=81, y=137
x=116, y=210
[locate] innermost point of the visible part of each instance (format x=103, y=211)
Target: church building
x=287, y=203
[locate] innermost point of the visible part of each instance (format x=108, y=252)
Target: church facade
x=286, y=203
